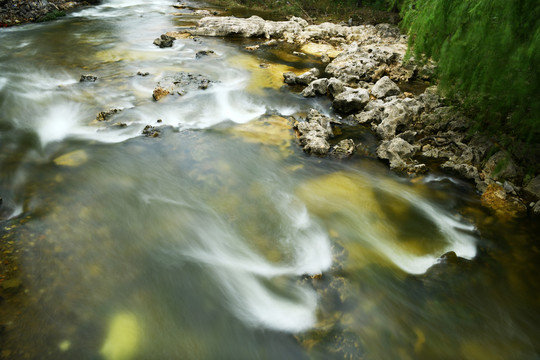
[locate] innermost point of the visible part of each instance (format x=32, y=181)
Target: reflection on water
x=220, y=238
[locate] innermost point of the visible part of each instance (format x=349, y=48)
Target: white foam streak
x=462, y=244
x=242, y=272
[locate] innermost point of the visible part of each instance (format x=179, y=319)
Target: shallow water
x=207, y=242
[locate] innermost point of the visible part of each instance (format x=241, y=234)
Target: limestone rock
x=367, y=62
x=397, y=151
x=335, y=87
x=351, y=100
x=344, y=148
x=316, y=88
x=303, y=79
x=384, y=88
x=314, y=133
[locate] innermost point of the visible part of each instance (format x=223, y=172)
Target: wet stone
x=203, y=53
x=105, y=115
x=88, y=78
x=164, y=41
x=150, y=131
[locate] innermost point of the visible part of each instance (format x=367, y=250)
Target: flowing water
x=208, y=241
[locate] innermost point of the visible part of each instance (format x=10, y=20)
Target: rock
x=309, y=76
x=335, y=87
x=203, y=53
x=88, y=78
x=397, y=151
x=11, y=285
x=164, y=41
x=504, y=205
x=395, y=114
x=465, y=170
x=202, y=12
x=384, y=88
x=181, y=83
x=314, y=133
x=500, y=166
x=316, y=88
x=344, y=148
x=368, y=63
x=159, y=93
x=105, y=115
x=140, y=73
x=150, y=131
x=351, y=100
x=533, y=188
x=72, y=159
x=536, y=209
x=253, y=26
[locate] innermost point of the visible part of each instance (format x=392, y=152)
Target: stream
x=208, y=241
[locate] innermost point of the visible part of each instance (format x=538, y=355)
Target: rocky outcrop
x=370, y=63
x=296, y=30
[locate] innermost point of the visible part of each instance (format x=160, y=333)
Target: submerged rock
x=504, y=205
x=72, y=159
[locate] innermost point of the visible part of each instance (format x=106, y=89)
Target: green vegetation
x=488, y=55
x=52, y=15
x=361, y=11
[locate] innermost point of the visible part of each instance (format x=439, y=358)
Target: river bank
x=16, y=12
x=366, y=77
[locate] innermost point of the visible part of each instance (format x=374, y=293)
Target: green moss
x=52, y=15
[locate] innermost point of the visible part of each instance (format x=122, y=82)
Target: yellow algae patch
x=263, y=75
x=272, y=130
x=320, y=49
x=122, y=338
x=72, y=159
x=367, y=225
x=338, y=192
x=287, y=55
x=179, y=34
